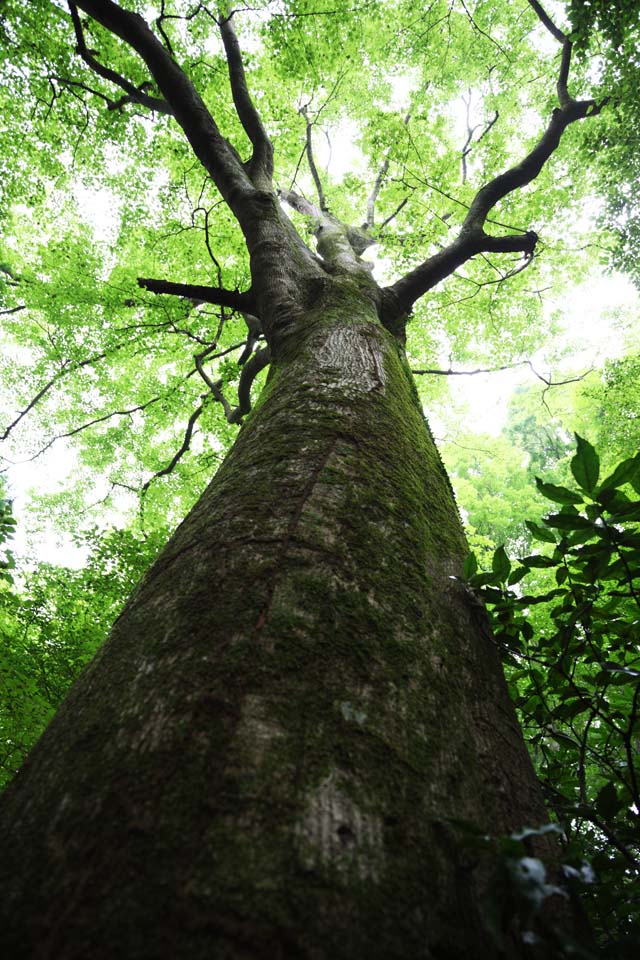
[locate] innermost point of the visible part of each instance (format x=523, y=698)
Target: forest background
x=102, y=379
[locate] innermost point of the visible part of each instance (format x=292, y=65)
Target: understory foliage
x=567, y=620
x=52, y=621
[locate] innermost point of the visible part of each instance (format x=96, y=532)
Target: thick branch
x=303, y=206
x=234, y=299
x=257, y=362
x=544, y=18
x=216, y=155
x=134, y=94
x=472, y=238
x=261, y=165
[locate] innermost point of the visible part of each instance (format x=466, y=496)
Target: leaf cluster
x=567, y=621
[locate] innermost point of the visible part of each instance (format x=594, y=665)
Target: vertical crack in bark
x=291, y=528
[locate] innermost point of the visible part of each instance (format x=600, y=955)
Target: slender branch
x=184, y=447
x=135, y=94
x=234, y=299
x=472, y=238
x=507, y=366
x=261, y=165
x=66, y=369
x=469, y=142
x=373, y=196
x=322, y=200
x=393, y=215
x=86, y=426
x=4, y=313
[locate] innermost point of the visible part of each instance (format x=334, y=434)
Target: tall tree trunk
x=265, y=758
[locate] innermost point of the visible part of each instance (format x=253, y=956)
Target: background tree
x=300, y=652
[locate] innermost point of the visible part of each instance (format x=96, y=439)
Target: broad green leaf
x=607, y=803
x=625, y=472
x=556, y=493
x=470, y=566
x=500, y=564
x=564, y=521
x=539, y=533
x=585, y=466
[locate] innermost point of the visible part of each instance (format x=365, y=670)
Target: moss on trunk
x=266, y=757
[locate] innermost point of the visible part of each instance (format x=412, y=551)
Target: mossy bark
x=267, y=757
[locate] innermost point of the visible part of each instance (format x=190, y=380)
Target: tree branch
x=184, y=446
x=261, y=164
x=214, y=152
x=472, y=238
x=544, y=18
x=507, y=366
x=373, y=196
x=134, y=94
x=322, y=200
x=234, y=299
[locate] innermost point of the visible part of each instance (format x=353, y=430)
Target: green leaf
x=539, y=533
x=625, y=472
x=500, y=564
x=558, y=494
x=568, y=521
x=607, y=803
x=470, y=566
x=585, y=466
x=562, y=738
x=538, y=561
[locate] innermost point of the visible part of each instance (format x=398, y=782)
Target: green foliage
x=51, y=624
x=567, y=620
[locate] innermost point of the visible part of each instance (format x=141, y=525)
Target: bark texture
x=266, y=757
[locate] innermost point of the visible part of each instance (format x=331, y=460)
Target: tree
x=300, y=716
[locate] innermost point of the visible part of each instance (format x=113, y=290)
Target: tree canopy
x=411, y=112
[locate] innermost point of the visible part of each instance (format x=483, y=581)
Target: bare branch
x=184, y=447
x=322, y=200
x=507, y=366
x=234, y=299
x=135, y=94
x=261, y=165
x=469, y=142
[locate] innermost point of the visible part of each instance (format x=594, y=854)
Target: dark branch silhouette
x=133, y=94
x=234, y=299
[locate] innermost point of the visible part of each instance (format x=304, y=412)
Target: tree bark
x=267, y=757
